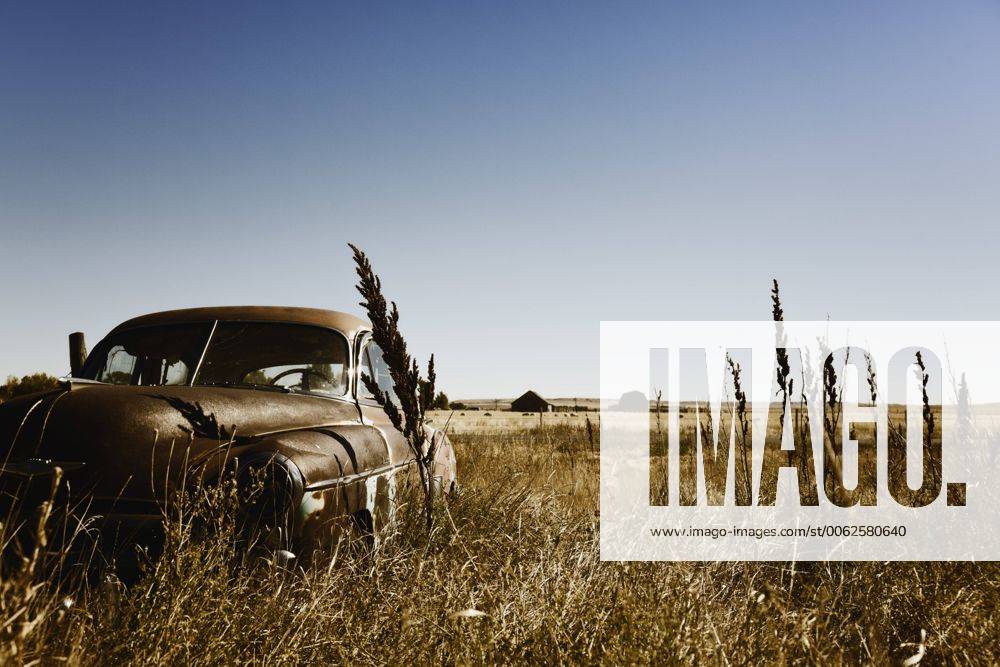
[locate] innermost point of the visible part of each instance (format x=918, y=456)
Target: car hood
x=132, y=440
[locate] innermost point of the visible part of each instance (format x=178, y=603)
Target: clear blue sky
x=517, y=172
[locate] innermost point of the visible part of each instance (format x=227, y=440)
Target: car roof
x=331, y=319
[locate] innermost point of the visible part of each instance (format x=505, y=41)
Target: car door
x=371, y=363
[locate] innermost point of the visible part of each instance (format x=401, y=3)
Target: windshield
x=149, y=356
x=284, y=356
x=266, y=355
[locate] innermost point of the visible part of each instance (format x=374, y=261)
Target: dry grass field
x=487, y=420
x=511, y=574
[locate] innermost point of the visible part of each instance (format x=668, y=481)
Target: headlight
x=270, y=486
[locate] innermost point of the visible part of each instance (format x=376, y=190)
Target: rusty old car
x=188, y=394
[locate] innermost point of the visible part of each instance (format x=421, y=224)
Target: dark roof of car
x=344, y=322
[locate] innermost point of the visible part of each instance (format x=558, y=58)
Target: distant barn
x=530, y=402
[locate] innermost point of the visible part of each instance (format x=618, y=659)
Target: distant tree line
x=459, y=405
x=29, y=384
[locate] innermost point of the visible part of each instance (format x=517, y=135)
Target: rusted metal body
x=127, y=447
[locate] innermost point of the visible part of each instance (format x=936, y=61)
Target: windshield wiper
x=304, y=392
x=249, y=385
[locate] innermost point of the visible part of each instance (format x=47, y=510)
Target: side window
x=372, y=365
